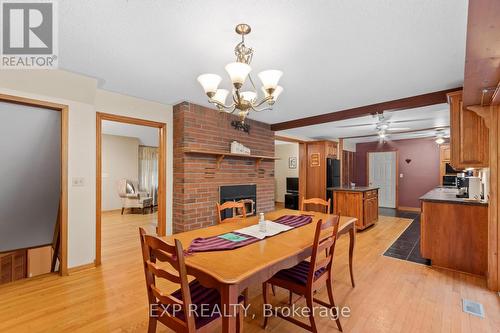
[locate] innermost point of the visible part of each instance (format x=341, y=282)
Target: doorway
x=156, y=197
x=34, y=249
x=382, y=173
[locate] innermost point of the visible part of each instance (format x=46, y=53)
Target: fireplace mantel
x=220, y=155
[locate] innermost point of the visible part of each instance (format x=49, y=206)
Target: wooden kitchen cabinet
x=469, y=136
x=348, y=167
x=371, y=211
x=358, y=202
x=455, y=235
x=445, y=153
x=317, y=153
x=444, y=158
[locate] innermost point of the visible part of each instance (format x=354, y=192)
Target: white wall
x=281, y=170
x=120, y=159
x=83, y=97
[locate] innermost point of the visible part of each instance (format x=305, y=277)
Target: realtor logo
x=29, y=34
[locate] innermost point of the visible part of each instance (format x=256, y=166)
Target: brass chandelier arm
x=264, y=100
x=220, y=105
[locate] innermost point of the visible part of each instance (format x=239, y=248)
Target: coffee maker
x=474, y=188
x=462, y=185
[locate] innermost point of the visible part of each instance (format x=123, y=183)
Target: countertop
x=447, y=194
x=352, y=189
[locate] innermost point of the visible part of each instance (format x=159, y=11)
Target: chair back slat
x=155, y=249
x=165, y=299
x=161, y=273
x=316, y=202
x=322, y=263
x=234, y=205
x=163, y=256
x=322, y=242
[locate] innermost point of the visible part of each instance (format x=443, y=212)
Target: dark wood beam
x=398, y=132
x=412, y=102
x=482, y=52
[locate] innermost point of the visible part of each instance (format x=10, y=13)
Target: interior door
x=382, y=174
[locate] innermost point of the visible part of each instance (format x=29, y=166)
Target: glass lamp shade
x=209, y=82
x=270, y=78
x=439, y=140
x=220, y=96
x=248, y=96
x=238, y=72
x=276, y=92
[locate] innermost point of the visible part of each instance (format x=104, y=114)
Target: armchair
x=131, y=197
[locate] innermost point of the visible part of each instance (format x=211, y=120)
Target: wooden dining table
x=232, y=271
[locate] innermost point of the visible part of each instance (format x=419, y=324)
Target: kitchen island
x=360, y=202
x=454, y=231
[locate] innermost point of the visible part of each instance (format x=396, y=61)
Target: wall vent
x=473, y=308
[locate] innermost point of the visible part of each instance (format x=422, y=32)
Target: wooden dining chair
x=189, y=299
x=316, y=201
x=235, y=206
x=307, y=277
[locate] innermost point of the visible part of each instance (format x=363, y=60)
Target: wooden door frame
x=397, y=169
x=162, y=166
x=63, y=207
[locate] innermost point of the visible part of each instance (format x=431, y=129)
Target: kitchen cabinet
x=444, y=158
x=454, y=232
x=469, y=136
x=359, y=202
x=317, y=153
x=348, y=167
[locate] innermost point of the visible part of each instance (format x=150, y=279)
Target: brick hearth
x=196, y=177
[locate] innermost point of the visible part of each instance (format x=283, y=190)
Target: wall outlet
x=78, y=181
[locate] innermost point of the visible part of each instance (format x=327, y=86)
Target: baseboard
x=80, y=268
x=111, y=211
x=409, y=209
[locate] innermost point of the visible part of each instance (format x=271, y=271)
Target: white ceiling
x=408, y=120
x=335, y=54
x=148, y=136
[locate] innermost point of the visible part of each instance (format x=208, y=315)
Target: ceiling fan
x=385, y=124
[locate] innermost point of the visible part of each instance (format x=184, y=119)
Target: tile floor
x=407, y=246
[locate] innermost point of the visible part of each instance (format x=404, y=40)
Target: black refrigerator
x=332, y=172
x=332, y=177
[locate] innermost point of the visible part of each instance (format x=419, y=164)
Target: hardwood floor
x=390, y=295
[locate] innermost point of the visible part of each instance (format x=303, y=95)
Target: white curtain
x=148, y=171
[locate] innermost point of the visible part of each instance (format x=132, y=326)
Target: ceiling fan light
x=382, y=134
x=249, y=96
x=270, y=78
x=238, y=73
x=209, y=82
x=221, y=96
x=383, y=127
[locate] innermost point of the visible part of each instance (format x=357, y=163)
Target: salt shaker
x=262, y=223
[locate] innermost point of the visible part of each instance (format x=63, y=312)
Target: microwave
x=449, y=180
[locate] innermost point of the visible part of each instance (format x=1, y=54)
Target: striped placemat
x=216, y=243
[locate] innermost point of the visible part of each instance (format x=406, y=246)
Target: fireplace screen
x=245, y=193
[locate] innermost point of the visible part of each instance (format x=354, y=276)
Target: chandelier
x=243, y=100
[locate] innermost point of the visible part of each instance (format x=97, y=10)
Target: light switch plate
x=78, y=181
x=400, y=175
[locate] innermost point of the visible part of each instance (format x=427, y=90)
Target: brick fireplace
x=198, y=177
